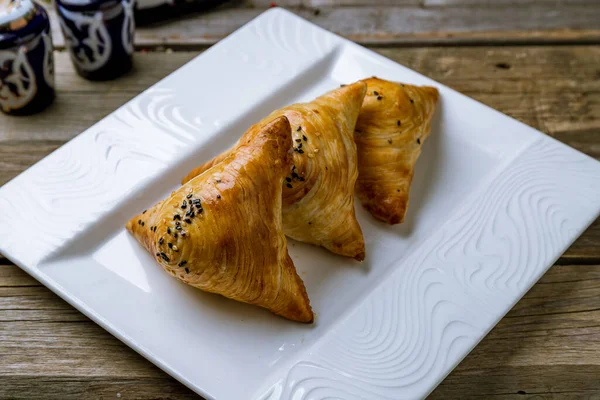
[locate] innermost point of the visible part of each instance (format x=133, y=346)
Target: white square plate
x=494, y=204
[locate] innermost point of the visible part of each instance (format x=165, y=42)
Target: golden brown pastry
x=318, y=192
x=222, y=231
x=393, y=124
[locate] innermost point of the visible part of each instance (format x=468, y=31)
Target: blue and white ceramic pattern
x=26, y=59
x=99, y=35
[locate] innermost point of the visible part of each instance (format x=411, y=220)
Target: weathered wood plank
x=391, y=22
x=548, y=345
x=30, y=387
x=504, y=3
x=327, y=3
x=551, y=382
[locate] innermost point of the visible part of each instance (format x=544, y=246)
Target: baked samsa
x=394, y=121
x=318, y=192
x=222, y=231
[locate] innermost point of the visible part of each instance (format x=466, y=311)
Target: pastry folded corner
x=222, y=231
x=318, y=193
x=394, y=122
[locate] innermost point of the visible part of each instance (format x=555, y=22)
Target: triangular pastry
x=318, y=192
x=222, y=231
x=394, y=121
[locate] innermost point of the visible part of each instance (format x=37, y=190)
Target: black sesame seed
x=164, y=257
x=375, y=92
x=192, y=214
x=139, y=221
x=170, y=245
x=295, y=149
x=218, y=196
x=144, y=212
x=419, y=140
x=288, y=179
x=176, y=216
x=300, y=151
x=187, y=271
x=390, y=141
x=175, y=235
x=298, y=140
x=178, y=227
x=183, y=234
x=200, y=210
x=157, y=254
x=288, y=185
x=399, y=123
x=379, y=97
x=310, y=223
x=189, y=196
x=187, y=214
x=143, y=223
x=294, y=175
x=304, y=138
x=181, y=264
x=342, y=85
x=189, y=221
x=196, y=201
x=218, y=181
x=169, y=231
x=177, y=223
x=161, y=241
x=299, y=145
x=299, y=128
x=412, y=101
x=184, y=204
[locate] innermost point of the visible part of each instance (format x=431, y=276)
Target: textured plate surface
x=494, y=203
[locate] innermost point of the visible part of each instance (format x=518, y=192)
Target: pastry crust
x=318, y=193
x=222, y=231
x=394, y=122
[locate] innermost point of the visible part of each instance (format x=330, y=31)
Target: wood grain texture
x=392, y=22
x=549, y=345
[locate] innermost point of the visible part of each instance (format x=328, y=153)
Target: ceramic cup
x=26, y=59
x=99, y=36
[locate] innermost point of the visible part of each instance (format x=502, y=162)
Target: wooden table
x=535, y=60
